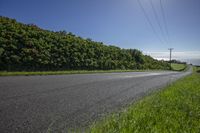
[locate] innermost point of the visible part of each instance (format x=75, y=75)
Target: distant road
x=55, y=103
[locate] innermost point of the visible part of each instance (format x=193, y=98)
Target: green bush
x=30, y=48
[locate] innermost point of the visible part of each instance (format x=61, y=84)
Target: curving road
x=60, y=102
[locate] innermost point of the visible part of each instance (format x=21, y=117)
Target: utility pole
x=170, y=57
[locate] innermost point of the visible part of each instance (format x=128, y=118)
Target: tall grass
x=176, y=109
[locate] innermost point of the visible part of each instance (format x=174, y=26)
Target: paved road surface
x=56, y=103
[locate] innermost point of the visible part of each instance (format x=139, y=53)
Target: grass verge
x=4, y=73
x=175, y=109
x=178, y=67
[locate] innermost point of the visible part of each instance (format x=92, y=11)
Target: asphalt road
x=61, y=102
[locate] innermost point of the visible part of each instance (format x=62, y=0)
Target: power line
x=170, y=57
x=149, y=21
x=158, y=21
x=164, y=19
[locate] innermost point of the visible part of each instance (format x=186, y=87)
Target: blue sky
x=117, y=22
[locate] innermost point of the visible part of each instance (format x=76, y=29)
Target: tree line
x=26, y=47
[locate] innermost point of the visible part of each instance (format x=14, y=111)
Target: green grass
x=26, y=73
x=175, y=109
x=4, y=73
x=178, y=67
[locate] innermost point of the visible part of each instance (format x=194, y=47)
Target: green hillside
x=178, y=67
x=29, y=48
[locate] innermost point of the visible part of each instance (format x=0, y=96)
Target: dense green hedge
x=30, y=48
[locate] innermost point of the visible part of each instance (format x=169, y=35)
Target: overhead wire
x=149, y=21
x=164, y=19
x=158, y=21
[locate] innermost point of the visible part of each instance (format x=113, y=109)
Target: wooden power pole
x=170, y=57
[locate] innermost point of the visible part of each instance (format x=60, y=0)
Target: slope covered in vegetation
x=29, y=48
x=178, y=67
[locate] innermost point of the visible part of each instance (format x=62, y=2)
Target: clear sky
x=118, y=22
